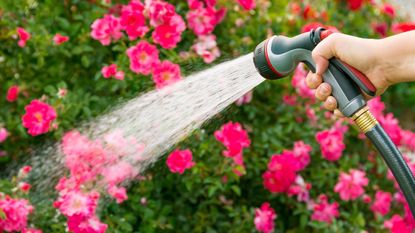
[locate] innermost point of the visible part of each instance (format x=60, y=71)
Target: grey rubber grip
x=395, y=162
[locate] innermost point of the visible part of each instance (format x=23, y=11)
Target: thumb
x=325, y=50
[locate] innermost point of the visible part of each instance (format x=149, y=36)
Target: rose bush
x=273, y=162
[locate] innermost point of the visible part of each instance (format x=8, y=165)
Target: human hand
x=363, y=54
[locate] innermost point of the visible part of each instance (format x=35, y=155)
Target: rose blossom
x=324, y=211
x=143, y=57
x=388, y=10
x=3, y=134
x=120, y=194
x=24, y=36
x=180, y=160
x=351, y=185
x=12, y=93
x=331, y=143
x=233, y=137
x=264, y=218
x=206, y=47
x=166, y=73
x=111, y=71
x=300, y=189
x=160, y=12
x=76, y=203
x=202, y=21
x=133, y=21
x=169, y=35
x=60, y=39
x=106, y=29
x=281, y=172
x=301, y=153
x=38, y=117
x=382, y=203
x=24, y=187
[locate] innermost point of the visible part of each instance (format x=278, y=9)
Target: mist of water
x=161, y=118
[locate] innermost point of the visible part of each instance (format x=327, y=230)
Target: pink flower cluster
x=203, y=17
x=38, y=117
x=202, y=20
x=207, y=48
x=79, y=209
x=283, y=168
x=331, y=142
x=93, y=162
x=106, y=29
x=180, y=160
x=401, y=224
x=382, y=203
x=144, y=59
x=14, y=212
x=351, y=185
x=398, y=225
x=168, y=25
x=23, y=35
x=264, y=218
x=323, y=211
x=111, y=71
x=301, y=189
x=235, y=139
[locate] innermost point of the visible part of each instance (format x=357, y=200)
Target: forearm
x=396, y=56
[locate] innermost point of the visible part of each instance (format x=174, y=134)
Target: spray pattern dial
x=278, y=56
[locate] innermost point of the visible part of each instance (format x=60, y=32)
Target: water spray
x=278, y=56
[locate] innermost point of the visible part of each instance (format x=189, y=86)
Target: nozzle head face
x=262, y=62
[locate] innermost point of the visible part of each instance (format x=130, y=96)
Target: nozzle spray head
x=278, y=56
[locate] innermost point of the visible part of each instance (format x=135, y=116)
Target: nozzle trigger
x=356, y=76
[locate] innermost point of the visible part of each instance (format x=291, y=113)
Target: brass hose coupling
x=364, y=119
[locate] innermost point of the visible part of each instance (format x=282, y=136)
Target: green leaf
x=236, y=190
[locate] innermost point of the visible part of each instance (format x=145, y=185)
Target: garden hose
x=278, y=56
x=390, y=153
